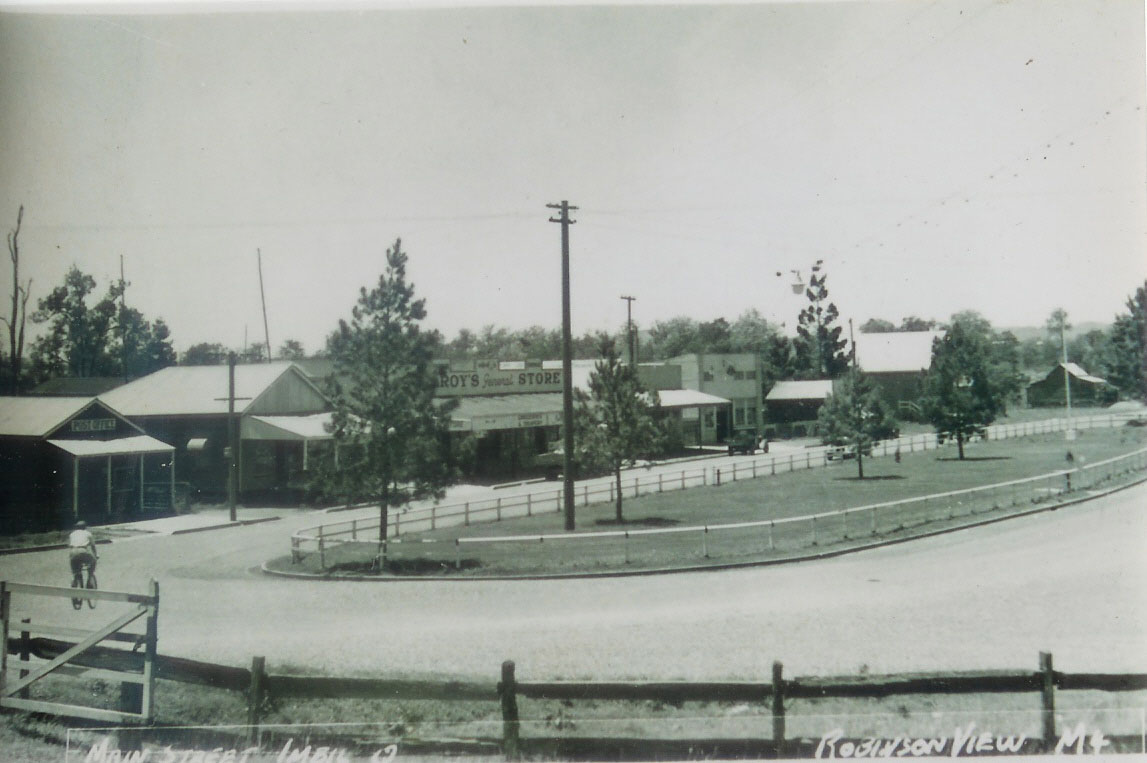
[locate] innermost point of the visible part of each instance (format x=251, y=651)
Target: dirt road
x=1073, y=582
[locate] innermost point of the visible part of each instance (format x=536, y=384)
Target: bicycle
x=79, y=582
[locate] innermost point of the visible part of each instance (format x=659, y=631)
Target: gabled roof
x=40, y=416
x=66, y=386
x=1077, y=373
x=817, y=389
x=199, y=390
x=895, y=351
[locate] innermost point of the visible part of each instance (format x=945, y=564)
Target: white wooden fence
x=321, y=538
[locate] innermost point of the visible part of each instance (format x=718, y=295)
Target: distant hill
x=1023, y=333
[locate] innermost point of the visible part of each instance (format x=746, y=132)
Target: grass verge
x=768, y=497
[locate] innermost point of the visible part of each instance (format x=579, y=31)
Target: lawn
x=778, y=497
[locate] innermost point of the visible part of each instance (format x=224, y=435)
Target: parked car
x=743, y=442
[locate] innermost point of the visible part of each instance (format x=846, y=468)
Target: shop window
x=709, y=421
x=739, y=417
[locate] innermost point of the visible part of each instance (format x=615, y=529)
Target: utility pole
x=567, y=367
x=263, y=298
x=232, y=488
x=232, y=436
x=629, y=329
x=1070, y=433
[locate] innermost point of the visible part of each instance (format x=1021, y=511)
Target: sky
x=937, y=156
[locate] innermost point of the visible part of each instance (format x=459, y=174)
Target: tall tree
x=204, y=354
x=292, y=349
x=962, y=394
x=19, y=316
x=1128, y=355
x=914, y=323
x=392, y=436
x=819, y=345
x=877, y=326
x=79, y=340
x=615, y=425
x=855, y=415
x=673, y=337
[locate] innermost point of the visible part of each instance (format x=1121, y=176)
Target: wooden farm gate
x=137, y=705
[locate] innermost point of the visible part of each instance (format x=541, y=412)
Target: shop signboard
x=488, y=377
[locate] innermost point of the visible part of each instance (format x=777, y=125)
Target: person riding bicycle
x=82, y=549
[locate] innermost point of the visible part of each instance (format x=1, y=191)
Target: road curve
x=1072, y=582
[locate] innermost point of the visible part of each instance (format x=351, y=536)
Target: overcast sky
x=937, y=156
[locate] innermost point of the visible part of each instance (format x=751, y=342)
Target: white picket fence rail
x=321, y=538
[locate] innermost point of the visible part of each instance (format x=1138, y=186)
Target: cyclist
x=82, y=549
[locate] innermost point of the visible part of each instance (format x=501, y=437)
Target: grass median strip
x=544, y=548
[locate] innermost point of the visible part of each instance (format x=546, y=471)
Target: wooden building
x=68, y=458
x=279, y=413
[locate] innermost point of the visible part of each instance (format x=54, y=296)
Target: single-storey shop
x=68, y=458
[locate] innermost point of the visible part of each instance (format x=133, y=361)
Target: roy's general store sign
x=488, y=377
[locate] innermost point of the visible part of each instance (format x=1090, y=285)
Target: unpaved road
x=1073, y=582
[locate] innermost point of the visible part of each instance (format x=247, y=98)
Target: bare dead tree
x=20, y=295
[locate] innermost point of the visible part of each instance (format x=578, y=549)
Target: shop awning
x=124, y=446
x=296, y=428
x=481, y=414
x=688, y=398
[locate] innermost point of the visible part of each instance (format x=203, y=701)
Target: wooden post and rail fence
x=322, y=538
x=259, y=686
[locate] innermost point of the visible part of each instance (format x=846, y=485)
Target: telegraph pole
x=629, y=329
x=232, y=439
x=567, y=366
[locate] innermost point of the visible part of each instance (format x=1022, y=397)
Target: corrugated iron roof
x=1082, y=375
x=196, y=390
x=817, y=389
x=688, y=398
x=313, y=427
x=896, y=351
x=122, y=447
x=37, y=416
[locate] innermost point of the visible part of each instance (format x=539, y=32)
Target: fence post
x=636, y=491
x=507, y=690
x=466, y=514
x=791, y=465
x=682, y=479
x=705, y=542
x=1047, y=698
x=529, y=504
x=354, y=529
x=433, y=516
x=754, y=468
x=778, y=709
x=660, y=488
x=457, y=555
x=846, y=524
x=397, y=524
x=814, y=538
x=584, y=495
x=773, y=465
x=808, y=460
x=322, y=551
x=611, y=492
x=255, y=694
x=626, y=545
x=498, y=506
x=718, y=477
x=772, y=544
x=25, y=654
x=874, y=520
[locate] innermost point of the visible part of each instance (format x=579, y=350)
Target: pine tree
x=391, y=436
x=855, y=416
x=819, y=346
x=615, y=424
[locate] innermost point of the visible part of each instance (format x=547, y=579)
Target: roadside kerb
x=715, y=567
